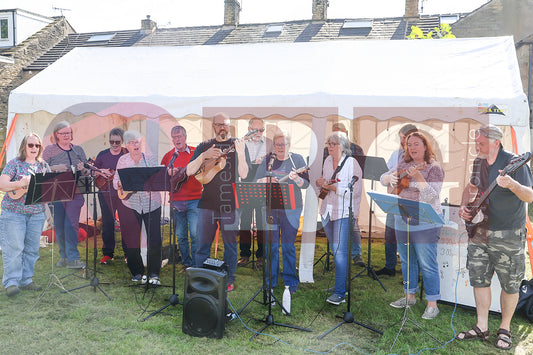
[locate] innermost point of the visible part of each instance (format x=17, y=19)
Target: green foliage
x=444, y=31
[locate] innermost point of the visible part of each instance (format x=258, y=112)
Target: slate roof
x=120, y=39
x=395, y=28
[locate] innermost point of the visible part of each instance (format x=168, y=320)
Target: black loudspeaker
x=204, y=303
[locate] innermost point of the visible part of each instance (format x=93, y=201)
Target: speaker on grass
x=204, y=303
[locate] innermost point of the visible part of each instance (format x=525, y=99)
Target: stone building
x=16, y=56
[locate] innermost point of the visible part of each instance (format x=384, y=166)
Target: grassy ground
x=85, y=321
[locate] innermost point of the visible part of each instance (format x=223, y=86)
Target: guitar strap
x=339, y=168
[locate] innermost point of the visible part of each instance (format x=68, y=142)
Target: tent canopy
x=342, y=74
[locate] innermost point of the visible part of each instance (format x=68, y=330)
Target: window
x=101, y=38
x=357, y=24
x=4, y=29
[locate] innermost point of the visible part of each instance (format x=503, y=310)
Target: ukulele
x=101, y=181
x=478, y=207
x=211, y=167
x=404, y=179
x=297, y=171
x=17, y=193
x=324, y=192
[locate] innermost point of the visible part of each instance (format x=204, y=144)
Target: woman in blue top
x=282, y=165
x=21, y=225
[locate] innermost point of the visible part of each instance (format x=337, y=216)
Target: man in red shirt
x=184, y=204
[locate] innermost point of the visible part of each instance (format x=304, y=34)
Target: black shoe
x=387, y=272
x=358, y=261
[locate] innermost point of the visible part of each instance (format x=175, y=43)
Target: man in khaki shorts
x=498, y=242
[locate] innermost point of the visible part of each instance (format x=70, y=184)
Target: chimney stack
x=320, y=10
x=411, y=9
x=232, y=8
x=147, y=25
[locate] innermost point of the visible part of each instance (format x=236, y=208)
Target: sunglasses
x=36, y=145
x=115, y=142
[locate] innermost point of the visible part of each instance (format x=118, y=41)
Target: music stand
x=374, y=167
x=47, y=188
x=278, y=196
x=422, y=212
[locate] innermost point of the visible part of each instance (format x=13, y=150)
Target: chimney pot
x=148, y=25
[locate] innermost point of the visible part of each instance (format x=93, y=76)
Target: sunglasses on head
x=115, y=142
x=36, y=145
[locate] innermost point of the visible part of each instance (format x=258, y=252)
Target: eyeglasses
x=221, y=124
x=259, y=130
x=332, y=144
x=115, y=142
x=134, y=142
x=280, y=145
x=36, y=145
x=64, y=133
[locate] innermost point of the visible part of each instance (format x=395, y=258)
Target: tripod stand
x=277, y=196
x=51, y=187
x=326, y=255
x=374, y=168
x=348, y=316
x=411, y=210
x=94, y=283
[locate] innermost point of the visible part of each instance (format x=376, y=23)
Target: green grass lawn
x=61, y=323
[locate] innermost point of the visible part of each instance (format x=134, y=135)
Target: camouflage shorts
x=503, y=253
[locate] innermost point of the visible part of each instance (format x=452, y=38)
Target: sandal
x=478, y=336
x=505, y=336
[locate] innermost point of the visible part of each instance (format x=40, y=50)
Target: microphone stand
x=348, y=316
x=174, y=298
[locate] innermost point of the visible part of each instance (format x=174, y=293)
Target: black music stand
x=277, y=196
x=148, y=179
x=86, y=185
x=409, y=209
x=47, y=188
x=348, y=317
x=374, y=167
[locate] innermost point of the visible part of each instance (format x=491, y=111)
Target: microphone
x=271, y=161
x=171, y=162
x=354, y=179
x=253, y=131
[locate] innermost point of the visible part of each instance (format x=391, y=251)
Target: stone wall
x=12, y=75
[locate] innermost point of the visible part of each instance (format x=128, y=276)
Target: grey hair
x=341, y=138
x=59, y=126
x=131, y=135
x=282, y=133
x=178, y=129
x=252, y=120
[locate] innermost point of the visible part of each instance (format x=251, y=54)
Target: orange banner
x=8, y=138
x=528, y=222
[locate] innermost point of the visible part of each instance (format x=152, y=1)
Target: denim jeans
x=390, y=243
x=66, y=224
x=423, y=257
x=285, y=227
x=207, y=227
x=19, y=238
x=356, y=242
x=185, y=227
x=338, y=234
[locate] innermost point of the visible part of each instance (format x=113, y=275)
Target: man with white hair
x=498, y=242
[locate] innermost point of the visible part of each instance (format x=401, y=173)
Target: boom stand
x=277, y=196
x=374, y=167
x=347, y=316
x=409, y=209
x=174, y=298
x=45, y=188
x=95, y=283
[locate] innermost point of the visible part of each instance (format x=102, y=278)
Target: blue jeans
x=390, y=243
x=185, y=217
x=338, y=235
x=423, y=256
x=285, y=227
x=229, y=228
x=356, y=242
x=66, y=224
x=19, y=238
